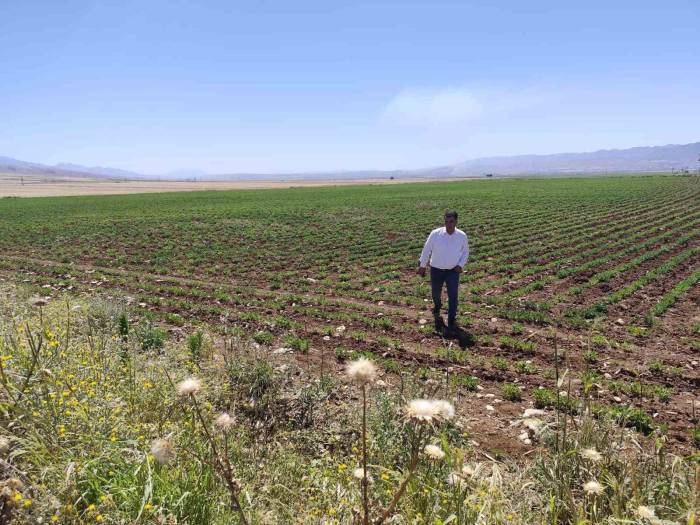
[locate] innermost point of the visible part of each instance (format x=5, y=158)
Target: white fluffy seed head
x=421, y=410
x=456, y=479
x=591, y=454
x=362, y=371
x=646, y=512
x=190, y=386
x=444, y=409
x=428, y=410
x=359, y=473
x=434, y=452
x=224, y=422
x=163, y=451
x=593, y=488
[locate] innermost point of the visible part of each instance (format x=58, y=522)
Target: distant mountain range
x=641, y=159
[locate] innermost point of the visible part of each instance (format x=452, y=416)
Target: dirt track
x=13, y=185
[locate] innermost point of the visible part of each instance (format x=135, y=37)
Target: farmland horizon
x=670, y=157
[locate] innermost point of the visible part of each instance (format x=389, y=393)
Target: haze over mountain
x=639, y=159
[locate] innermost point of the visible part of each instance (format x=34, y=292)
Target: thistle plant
x=422, y=417
x=189, y=389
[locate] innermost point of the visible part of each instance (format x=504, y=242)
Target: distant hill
x=641, y=159
x=654, y=158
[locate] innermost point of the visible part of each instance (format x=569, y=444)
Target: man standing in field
x=448, y=250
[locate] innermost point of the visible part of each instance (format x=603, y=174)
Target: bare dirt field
x=14, y=185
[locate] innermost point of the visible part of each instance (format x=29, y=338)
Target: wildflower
x=426, y=410
x=455, y=479
x=163, y=451
x=359, y=473
x=362, y=371
x=593, y=488
x=468, y=470
x=422, y=410
x=591, y=454
x=434, y=452
x=646, y=512
x=27, y=503
x=189, y=387
x=445, y=409
x=224, y=422
x=99, y=518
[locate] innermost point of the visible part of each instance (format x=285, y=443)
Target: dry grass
x=14, y=185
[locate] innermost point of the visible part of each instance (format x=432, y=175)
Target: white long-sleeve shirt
x=444, y=250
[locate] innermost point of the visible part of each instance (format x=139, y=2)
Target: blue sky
x=245, y=86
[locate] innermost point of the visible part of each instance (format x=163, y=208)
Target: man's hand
x=421, y=271
x=457, y=269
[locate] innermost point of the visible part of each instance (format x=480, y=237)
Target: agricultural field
x=579, y=301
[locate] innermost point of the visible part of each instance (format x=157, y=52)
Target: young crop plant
x=264, y=338
x=656, y=367
x=544, y=398
x=516, y=344
x=469, y=383
x=525, y=367
x=499, y=363
x=296, y=343
x=590, y=357
x=512, y=392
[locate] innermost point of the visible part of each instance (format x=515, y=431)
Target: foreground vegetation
x=108, y=418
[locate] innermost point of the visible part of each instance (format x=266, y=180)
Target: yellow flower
x=54, y=519
x=27, y=503
x=18, y=496
x=91, y=507
x=147, y=506
x=99, y=518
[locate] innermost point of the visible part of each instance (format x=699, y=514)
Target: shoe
x=439, y=324
x=451, y=330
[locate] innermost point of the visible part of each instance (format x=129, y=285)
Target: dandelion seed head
x=593, y=488
x=190, y=386
x=456, y=479
x=163, y=451
x=468, y=470
x=434, y=452
x=422, y=410
x=359, y=473
x=224, y=422
x=362, y=371
x=646, y=512
x=591, y=454
x=445, y=409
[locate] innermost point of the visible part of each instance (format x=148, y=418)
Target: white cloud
x=455, y=107
x=434, y=106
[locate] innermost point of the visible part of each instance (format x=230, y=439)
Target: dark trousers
x=438, y=278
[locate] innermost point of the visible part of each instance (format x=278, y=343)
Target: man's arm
x=425, y=254
x=464, y=254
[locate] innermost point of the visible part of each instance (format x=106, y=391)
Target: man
x=448, y=250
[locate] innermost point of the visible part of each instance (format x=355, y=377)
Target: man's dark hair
x=452, y=214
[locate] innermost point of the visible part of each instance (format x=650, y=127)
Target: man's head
x=450, y=221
